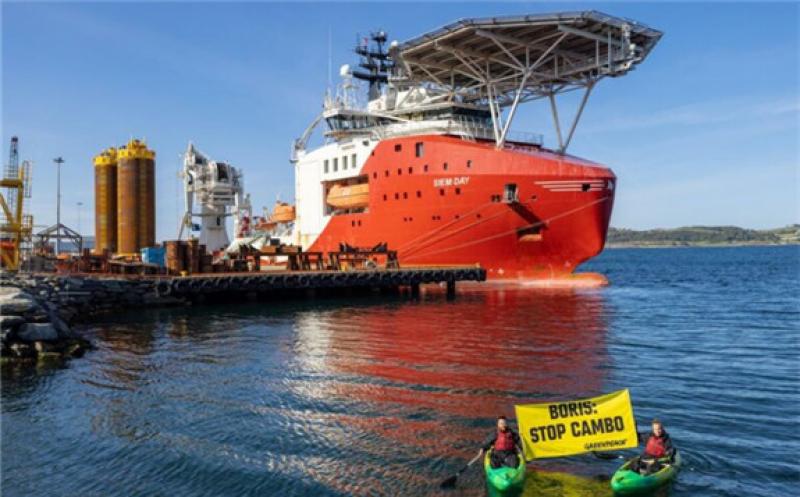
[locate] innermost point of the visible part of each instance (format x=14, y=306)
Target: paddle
x=605, y=455
x=451, y=481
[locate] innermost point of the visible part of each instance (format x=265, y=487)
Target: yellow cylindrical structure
x=127, y=202
x=147, y=200
x=105, y=201
x=136, y=227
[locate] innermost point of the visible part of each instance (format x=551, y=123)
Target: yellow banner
x=558, y=429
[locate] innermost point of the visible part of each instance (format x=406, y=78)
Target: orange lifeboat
x=348, y=196
x=282, y=213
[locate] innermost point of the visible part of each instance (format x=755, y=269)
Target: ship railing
x=463, y=126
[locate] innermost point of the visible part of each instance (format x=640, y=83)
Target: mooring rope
x=444, y=226
x=515, y=230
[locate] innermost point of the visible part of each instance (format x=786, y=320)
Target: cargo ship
x=427, y=164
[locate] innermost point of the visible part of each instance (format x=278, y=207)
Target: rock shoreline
x=33, y=330
x=38, y=310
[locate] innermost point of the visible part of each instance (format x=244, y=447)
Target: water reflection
x=428, y=378
x=359, y=397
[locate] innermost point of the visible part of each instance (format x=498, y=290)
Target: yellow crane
x=15, y=227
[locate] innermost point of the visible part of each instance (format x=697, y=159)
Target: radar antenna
x=376, y=61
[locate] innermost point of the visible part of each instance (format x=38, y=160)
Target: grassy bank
x=702, y=236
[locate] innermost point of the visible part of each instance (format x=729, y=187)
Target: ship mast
x=376, y=61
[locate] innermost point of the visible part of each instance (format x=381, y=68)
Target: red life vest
x=655, y=447
x=504, y=440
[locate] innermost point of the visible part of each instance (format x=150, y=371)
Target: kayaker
x=657, y=450
x=505, y=443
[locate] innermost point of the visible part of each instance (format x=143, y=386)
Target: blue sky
x=704, y=132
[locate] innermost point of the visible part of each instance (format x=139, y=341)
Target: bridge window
x=353, y=161
x=326, y=166
x=419, y=149
x=344, y=162
x=335, y=164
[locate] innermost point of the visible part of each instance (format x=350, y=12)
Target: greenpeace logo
x=608, y=444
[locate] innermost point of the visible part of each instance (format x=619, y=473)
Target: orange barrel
x=173, y=256
x=105, y=201
x=193, y=255
x=127, y=200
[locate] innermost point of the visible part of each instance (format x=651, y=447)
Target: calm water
x=383, y=396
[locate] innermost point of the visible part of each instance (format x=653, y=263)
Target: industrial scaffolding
x=15, y=226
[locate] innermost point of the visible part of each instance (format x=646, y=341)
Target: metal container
x=127, y=201
x=105, y=201
x=153, y=255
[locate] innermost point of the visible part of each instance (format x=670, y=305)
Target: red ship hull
x=450, y=206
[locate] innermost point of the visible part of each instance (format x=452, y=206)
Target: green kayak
x=504, y=478
x=626, y=482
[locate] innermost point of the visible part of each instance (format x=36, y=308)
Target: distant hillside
x=702, y=235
